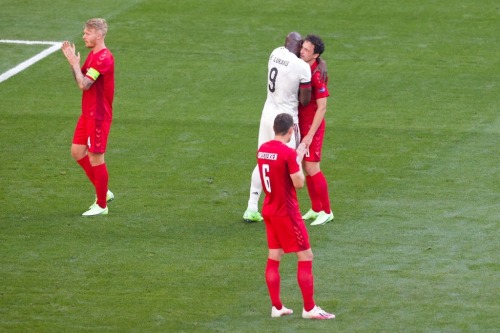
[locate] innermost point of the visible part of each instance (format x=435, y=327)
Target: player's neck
x=285, y=139
x=98, y=47
x=312, y=62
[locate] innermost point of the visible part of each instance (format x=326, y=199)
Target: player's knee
x=305, y=255
x=311, y=168
x=96, y=159
x=77, y=154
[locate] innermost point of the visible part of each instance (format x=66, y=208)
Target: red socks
x=85, y=164
x=98, y=176
x=101, y=183
x=273, y=281
x=317, y=187
x=305, y=279
x=313, y=195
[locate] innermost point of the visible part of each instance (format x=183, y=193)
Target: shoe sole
x=282, y=315
x=250, y=221
x=319, y=318
x=328, y=220
x=102, y=213
x=94, y=215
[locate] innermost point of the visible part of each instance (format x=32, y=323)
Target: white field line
x=25, y=64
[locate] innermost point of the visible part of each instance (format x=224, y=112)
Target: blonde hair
x=98, y=24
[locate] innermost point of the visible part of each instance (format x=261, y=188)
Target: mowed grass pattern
x=411, y=156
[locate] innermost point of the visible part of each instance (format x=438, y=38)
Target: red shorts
x=285, y=233
x=92, y=133
x=313, y=154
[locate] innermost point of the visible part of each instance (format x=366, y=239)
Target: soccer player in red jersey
x=96, y=78
x=312, y=131
x=281, y=174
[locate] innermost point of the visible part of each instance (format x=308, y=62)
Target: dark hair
x=319, y=46
x=282, y=123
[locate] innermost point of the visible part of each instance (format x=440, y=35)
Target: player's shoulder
x=286, y=149
x=299, y=63
x=279, y=51
x=316, y=76
x=105, y=53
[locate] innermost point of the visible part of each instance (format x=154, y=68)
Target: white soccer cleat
x=317, y=313
x=96, y=210
x=275, y=313
x=323, y=218
x=109, y=197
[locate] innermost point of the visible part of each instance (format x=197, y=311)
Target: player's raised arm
x=73, y=58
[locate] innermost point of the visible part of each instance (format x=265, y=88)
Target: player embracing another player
x=312, y=131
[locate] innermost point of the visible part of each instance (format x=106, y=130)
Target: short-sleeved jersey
x=97, y=102
x=319, y=90
x=286, y=73
x=276, y=162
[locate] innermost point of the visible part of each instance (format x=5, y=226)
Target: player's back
x=276, y=162
x=285, y=74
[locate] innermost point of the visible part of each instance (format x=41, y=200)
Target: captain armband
x=92, y=73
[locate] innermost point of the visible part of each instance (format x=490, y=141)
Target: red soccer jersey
x=97, y=102
x=276, y=163
x=319, y=90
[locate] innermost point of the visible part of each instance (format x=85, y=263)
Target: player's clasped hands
x=70, y=53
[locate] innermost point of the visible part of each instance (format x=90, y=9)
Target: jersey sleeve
x=292, y=161
x=319, y=86
x=100, y=65
x=305, y=74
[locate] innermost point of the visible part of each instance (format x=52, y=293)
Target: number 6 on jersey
x=267, y=181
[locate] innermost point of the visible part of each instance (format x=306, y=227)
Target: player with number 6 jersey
x=286, y=232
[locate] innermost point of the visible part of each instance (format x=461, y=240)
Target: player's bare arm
x=298, y=179
x=68, y=49
x=301, y=151
x=322, y=69
x=305, y=96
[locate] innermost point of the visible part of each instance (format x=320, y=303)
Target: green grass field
x=411, y=155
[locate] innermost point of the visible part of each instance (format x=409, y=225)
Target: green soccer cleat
x=323, y=218
x=252, y=216
x=310, y=215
